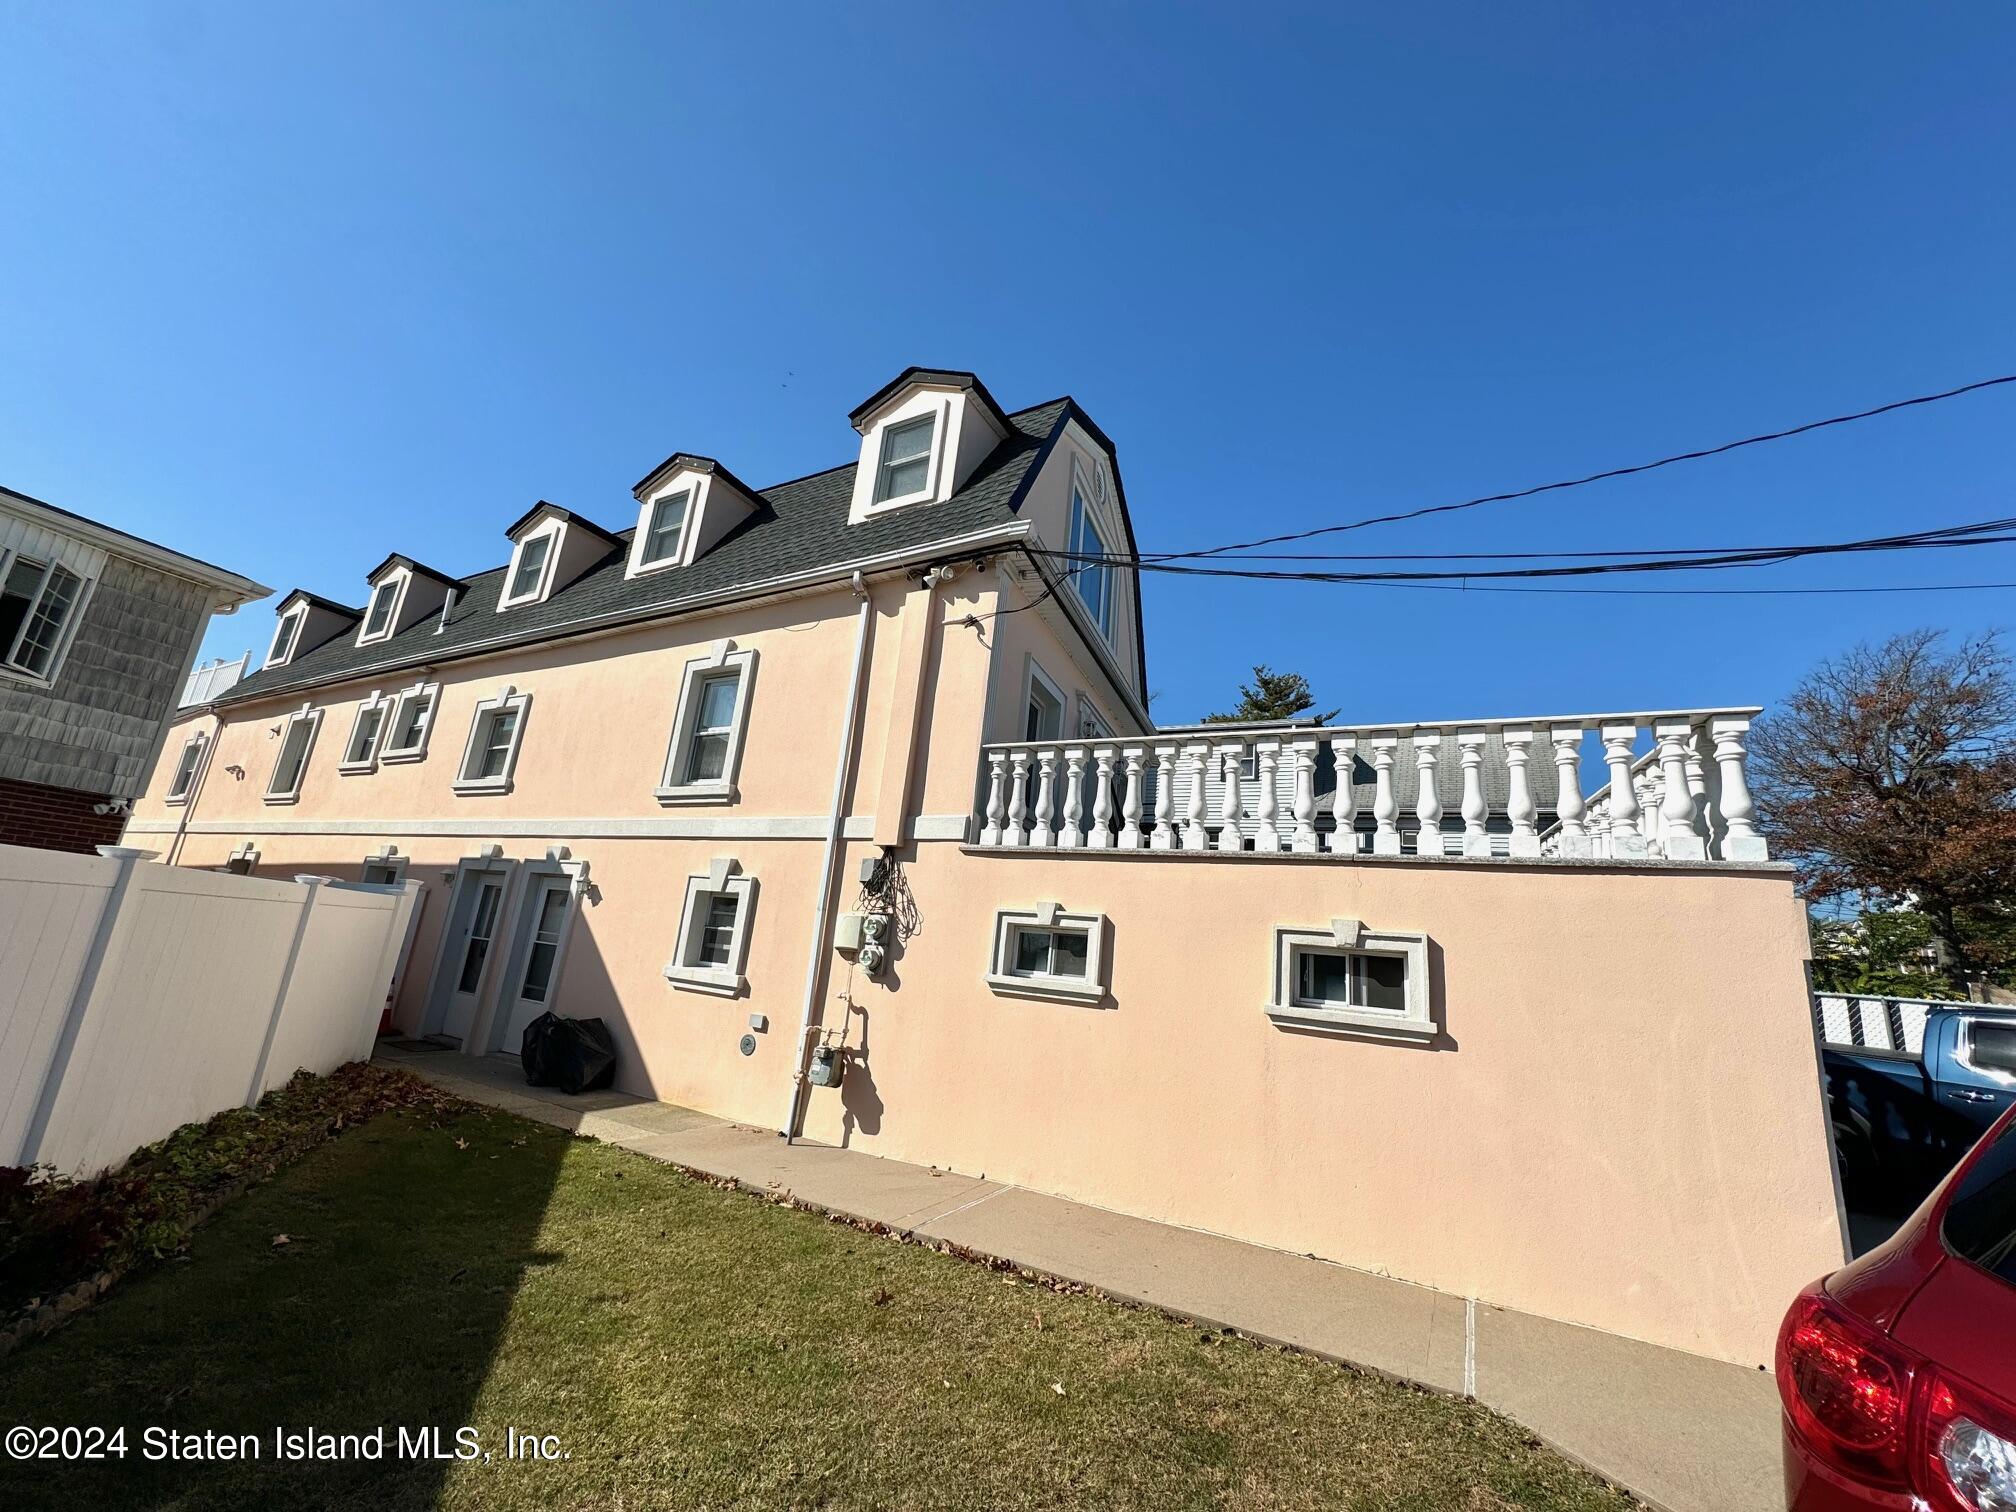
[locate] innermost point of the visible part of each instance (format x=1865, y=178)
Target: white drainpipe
x=834, y=824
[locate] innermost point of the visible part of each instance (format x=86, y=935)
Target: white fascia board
x=228, y=585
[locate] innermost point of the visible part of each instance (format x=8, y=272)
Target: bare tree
x=1890, y=773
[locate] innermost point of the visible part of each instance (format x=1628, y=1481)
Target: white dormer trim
x=398, y=580
x=553, y=531
x=715, y=505
x=962, y=434
x=286, y=636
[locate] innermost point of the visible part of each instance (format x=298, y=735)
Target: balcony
x=1483, y=789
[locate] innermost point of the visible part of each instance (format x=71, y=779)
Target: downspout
x=835, y=822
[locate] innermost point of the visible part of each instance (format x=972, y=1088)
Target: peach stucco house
x=854, y=777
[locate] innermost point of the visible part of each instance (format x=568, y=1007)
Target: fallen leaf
x=458, y=1275
x=883, y=1296
x=461, y=1143
x=1058, y=1387
x=281, y=1239
x=1039, y=1322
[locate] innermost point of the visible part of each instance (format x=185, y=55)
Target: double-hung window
x=285, y=634
x=412, y=719
x=528, y=572
x=491, y=755
x=378, y=618
x=905, y=466
x=707, y=728
x=667, y=525
x=297, y=739
x=360, y=752
x=711, y=950
x=186, y=767
x=1093, y=579
x=38, y=603
x=1046, y=952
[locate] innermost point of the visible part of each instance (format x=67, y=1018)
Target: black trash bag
x=575, y=1055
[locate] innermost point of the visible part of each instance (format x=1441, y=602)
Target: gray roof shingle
x=804, y=527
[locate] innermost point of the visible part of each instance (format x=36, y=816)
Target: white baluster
x=1130, y=802
x=1266, y=764
x=997, y=771
x=1102, y=799
x=1018, y=799
x=1195, y=803
x=1164, y=836
x=1740, y=841
x=1041, y=834
x=1519, y=793
x=1069, y=835
x=1303, y=754
x=1476, y=842
x=1230, y=757
x=1385, y=805
x=1703, y=785
x=1427, y=800
x=1344, y=801
x=1676, y=809
x=1568, y=806
x=1626, y=843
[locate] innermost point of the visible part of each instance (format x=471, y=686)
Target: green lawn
x=690, y=1346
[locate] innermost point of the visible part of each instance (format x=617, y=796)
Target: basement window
x=711, y=951
x=1349, y=978
x=1045, y=952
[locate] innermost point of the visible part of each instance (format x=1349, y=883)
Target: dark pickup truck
x=1911, y=1084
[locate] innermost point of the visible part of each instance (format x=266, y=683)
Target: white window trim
x=87, y=583
x=313, y=716
x=392, y=754
x=723, y=875
x=387, y=856
x=1415, y=1022
x=939, y=410
x=507, y=697
x=556, y=530
x=1091, y=988
x=399, y=579
x=1082, y=500
x=200, y=742
x=1032, y=674
x=298, y=616
x=690, y=486
x=352, y=766
x=722, y=789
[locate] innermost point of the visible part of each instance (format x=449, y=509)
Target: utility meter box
x=829, y=1064
x=847, y=930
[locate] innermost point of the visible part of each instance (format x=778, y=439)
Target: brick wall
x=54, y=818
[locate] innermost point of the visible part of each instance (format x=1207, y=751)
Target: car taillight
x=1968, y=1459
x=1847, y=1390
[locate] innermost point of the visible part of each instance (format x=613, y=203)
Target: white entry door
x=541, y=923
x=472, y=931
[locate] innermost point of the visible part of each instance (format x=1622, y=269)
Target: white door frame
x=493, y=1018
x=433, y=1013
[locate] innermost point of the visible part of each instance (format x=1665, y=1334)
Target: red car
x=1898, y=1373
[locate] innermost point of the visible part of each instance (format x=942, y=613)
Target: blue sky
x=291, y=287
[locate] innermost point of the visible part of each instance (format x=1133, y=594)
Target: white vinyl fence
x=135, y=998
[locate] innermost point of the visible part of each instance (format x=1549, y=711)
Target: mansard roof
x=801, y=529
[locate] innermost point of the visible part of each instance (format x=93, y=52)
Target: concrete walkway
x=1684, y=1433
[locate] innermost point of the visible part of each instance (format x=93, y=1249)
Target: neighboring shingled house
x=98, y=630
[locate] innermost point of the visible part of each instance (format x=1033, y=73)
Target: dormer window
x=528, y=569
x=1091, y=577
x=285, y=634
x=378, y=619
x=667, y=526
x=906, y=459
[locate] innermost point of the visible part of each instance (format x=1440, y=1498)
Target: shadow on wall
x=860, y=1102
x=407, y=1245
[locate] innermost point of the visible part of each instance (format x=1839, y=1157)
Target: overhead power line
x=1596, y=477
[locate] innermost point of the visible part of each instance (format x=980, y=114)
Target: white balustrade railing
x=1482, y=788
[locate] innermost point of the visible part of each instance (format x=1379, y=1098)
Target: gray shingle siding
x=802, y=527
x=95, y=729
